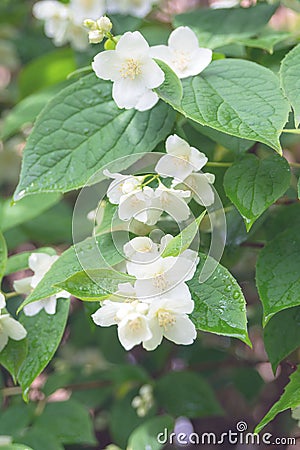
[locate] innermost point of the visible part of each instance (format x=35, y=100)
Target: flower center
x=135, y=324
x=181, y=60
x=160, y=281
x=131, y=69
x=165, y=319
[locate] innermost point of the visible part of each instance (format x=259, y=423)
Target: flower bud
x=104, y=24
x=95, y=37
x=90, y=24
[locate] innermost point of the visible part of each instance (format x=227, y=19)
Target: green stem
x=11, y=294
x=219, y=164
x=154, y=177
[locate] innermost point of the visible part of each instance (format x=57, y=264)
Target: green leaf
x=289, y=399
x=27, y=110
x=3, y=257
x=93, y=253
x=232, y=143
x=69, y=422
x=40, y=438
x=219, y=27
x=220, y=306
x=16, y=447
x=184, y=239
x=265, y=42
x=15, y=419
x=26, y=209
x=254, y=184
x=277, y=273
x=289, y=75
x=186, y=394
x=46, y=71
x=282, y=335
x=44, y=333
x=236, y=97
x=171, y=87
x=80, y=131
x=19, y=261
x=94, y=285
x=13, y=356
x=299, y=188
x=146, y=435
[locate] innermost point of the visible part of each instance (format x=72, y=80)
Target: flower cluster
x=144, y=401
x=135, y=73
x=98, y=29
x=9, y=327
x=158, y=303
x=64, y=22
x=39, y=263
x=182, y=163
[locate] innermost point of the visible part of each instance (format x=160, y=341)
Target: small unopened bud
x=104, y=24
x=95, y=37
x=90, y=24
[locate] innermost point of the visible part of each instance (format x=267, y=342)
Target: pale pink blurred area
x=169, y=8
x=285, y=20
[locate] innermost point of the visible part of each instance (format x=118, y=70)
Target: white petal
x=172, y=166
x=50, y=305
x=183, y=39
x=175, y=206
x=23, y=286
x=132, y=45
x=133, y=330
x=127, y=93
x=197, y=159
x=141, y=249
x=133, y=205
x=13, y=328
x=147, y=101
x=63, y=294
x=41, y=262
x=47, y=9
x=107, y=65
x=3, y=340
x=200, y=59
x=201, y=188
x=153, y=75
x=32, y=309
x=157, y=336
x=162, y=52
x=2, y=301
x=182, y=332
x=177, y=146
x=106, y=315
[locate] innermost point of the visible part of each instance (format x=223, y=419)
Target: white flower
x=95, y=36
x=183, y=53
x=136, y=205
x=2, y=301
x=122, y=185
x=168, y=317
x=200, y=185
x=5, y=440
x=138, y=8
x=97, y=215
x=56, y=17
x=10, y=328
x=181, y=159
x=165, y=275
x=104, y=24
x=169, y=201
x=133, y=327
x=39, y=263
x=86, y=9
x=64, y=23
x=132, y=70
x=217, y=4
